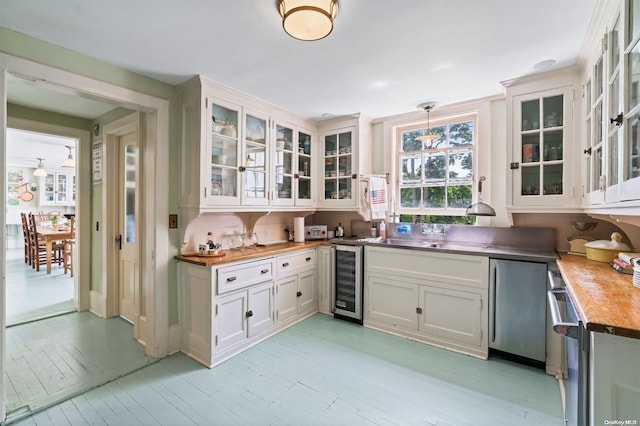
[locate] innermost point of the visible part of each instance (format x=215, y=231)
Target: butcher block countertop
x=606, y=300
x=248, y=253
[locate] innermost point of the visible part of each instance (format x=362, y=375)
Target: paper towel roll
x=298, y=229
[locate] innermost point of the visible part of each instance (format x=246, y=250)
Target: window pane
x=634, y=13
x=632, y=166
x=410, y=197
x=409, y=141
x=459, y=196
x=434, y=166
x=615, y=47
x=634, y=75
x=461, y=164
x=441, y=133
x=461, y=134
x=411, y=167
x=434, y=196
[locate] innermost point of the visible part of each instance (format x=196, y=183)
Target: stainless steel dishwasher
x=517, y=310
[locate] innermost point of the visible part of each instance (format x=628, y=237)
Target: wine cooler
x=347, y=285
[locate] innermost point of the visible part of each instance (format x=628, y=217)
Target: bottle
x=210, y=242
x=339, y=230
x=383, y=230
x=374, y=231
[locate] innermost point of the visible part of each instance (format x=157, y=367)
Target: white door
x=128, y=262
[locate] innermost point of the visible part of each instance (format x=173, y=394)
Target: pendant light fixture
x=308, y=20
x=69, y=162
x=428, y=138
x=40, y=171
x=480, y=208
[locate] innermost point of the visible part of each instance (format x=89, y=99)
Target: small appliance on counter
x=315, y=232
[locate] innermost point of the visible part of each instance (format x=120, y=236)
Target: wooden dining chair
x=39, y=248
x=27, y=241
x=68, y=249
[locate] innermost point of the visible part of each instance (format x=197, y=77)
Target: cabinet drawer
x=245, y=274
x=296, y=261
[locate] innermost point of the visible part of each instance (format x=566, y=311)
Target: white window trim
x=440, y=121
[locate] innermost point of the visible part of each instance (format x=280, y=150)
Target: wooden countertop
x=248, y=253
x=606, y=300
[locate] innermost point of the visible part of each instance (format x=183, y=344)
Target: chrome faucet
x=433, y=228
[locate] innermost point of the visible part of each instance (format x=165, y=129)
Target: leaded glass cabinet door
x=253, y=166
x=224, y=151
x=542, y=136
x=339, y=176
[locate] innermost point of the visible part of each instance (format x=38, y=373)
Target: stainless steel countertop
x=478, y=249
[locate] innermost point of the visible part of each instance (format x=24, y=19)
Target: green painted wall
x=19, y=111
x=20, y=45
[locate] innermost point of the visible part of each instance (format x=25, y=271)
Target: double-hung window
x=436, y=177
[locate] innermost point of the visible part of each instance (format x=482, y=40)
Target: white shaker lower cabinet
x=435, y=298
x=227, y=309
x=614, y=380
x=244, y=314
x=296, y=292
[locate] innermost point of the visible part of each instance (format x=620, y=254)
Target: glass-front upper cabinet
x=254, y=160
x=58, y=189
x=292, y=166
x=542, y=136
x=630, y=167
x=339, y=174
x=224, y=151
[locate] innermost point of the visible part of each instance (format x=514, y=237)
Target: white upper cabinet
x=611, y=81
x=242, y=154
x=58, y=189
x=542, y=129
x=345, y=155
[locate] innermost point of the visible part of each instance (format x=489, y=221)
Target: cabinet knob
x=418, y=310
x=617, y=120
x=298, y=294
x=242, y=168
x=587, y=151
x=249, y=314
x=296, y=176
x=354, y=175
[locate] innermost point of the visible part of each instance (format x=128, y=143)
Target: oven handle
x=567, y=329
x=555, y=279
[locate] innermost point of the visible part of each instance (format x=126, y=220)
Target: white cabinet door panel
x=307, y=300
x=451, y=314
x=392, y=302
x=260, y=308
x=286, y=300
x=231, y=320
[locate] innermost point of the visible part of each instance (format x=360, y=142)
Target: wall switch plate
x=173, y=221
x=267, y=233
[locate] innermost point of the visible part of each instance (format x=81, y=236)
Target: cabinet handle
x=418, y=310
x=298, y=294
x=617, y=120
x=284, y=265
x=587, y=151
x=264, y=271
x=249, y=314
x=296, y=176
x=242, y=168
x=231, y=279
x=354, y=175
x=308, y=259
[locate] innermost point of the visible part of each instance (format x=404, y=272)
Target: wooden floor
x=51, y=360
x=32, y=294
x=322, y=371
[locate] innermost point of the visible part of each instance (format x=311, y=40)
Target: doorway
x=38, y=184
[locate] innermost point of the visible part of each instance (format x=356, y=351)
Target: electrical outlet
x=267, y=233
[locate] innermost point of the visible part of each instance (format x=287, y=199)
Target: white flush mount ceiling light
x=40, y=171
x=308, y=20
x=69, y=162
x=428, y=138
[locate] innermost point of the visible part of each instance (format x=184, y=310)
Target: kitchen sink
x=439, y=245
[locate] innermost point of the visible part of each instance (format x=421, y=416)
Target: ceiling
x=383, y=57
x=24, y=148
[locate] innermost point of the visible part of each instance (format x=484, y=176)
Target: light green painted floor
x=51, y=360
x=322, y=371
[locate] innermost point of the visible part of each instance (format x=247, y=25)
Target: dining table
x=49, y=235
